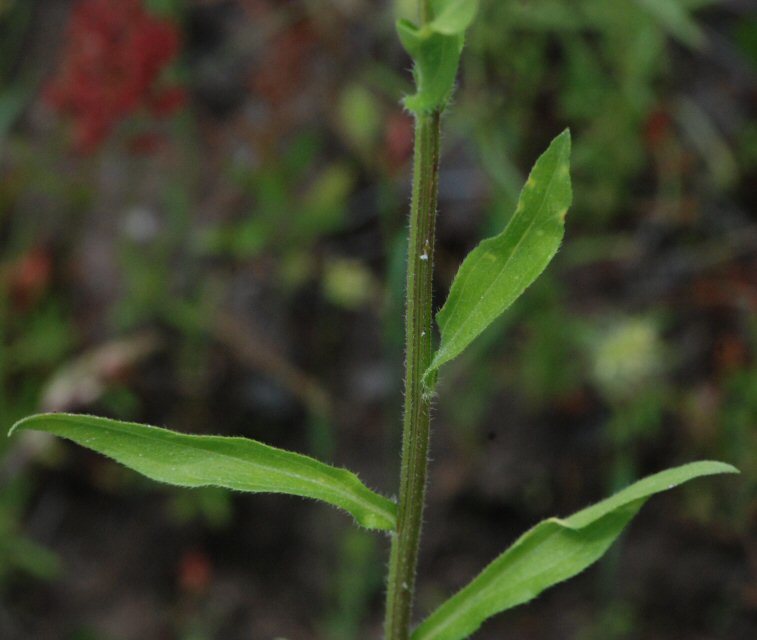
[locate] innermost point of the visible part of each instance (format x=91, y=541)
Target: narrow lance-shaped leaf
x=233, y=463
x=500, y=269
x=553, y=551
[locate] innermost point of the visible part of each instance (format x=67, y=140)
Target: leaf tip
x=565, y=139
x=724, y=467
x=21, y=424
x=34, y=421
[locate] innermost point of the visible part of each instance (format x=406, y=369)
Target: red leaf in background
x=281, y=72
x=195, y=571
x=145, y=144
x=731, y=354
x=398, y=139
x=112, y=60
x=168, y=102
x=657, y=127
x=28, y=277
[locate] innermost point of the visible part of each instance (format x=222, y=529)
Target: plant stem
x=415, y=437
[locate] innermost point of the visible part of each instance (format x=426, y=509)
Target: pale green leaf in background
x=500, y=269
x=675, y=17
x=551, y=552
x=233, y=463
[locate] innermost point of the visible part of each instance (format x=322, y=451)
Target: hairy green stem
x=415, y=438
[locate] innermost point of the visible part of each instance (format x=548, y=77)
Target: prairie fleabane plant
x=490, y=279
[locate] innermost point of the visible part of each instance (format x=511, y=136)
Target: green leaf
x=437, y=57
x=553, y=551
x=436, y=49
x=410, y=37
x=500, y=269
x=233, y=463
x=452, y=16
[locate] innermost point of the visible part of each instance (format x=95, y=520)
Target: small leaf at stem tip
x=233, y=463
x=435, y=48
x=436, y=57
x=451, y=17
x=553, y=551
x=410, y=36
x=500, y=269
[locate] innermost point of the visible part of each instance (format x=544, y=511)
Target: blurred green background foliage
x=202, y=225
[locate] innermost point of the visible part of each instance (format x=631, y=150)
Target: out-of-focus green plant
x=600, y=63
x=628, y=368
x=493, y=276
x=626, y=358
x=17, y=552
x=32, y=340
x=357, y=578
x=292, y=209
x=738, y=439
